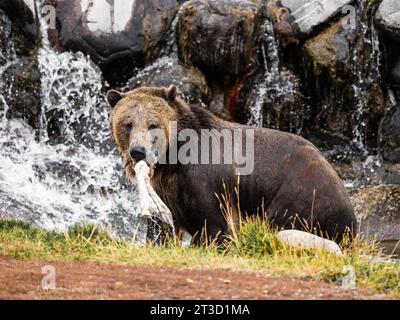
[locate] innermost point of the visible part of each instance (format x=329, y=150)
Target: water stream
x=56, y=178
x=274, y=84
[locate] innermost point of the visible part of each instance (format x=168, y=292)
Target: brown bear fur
x=292, y=181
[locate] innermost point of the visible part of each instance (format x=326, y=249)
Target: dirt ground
x=81, y=280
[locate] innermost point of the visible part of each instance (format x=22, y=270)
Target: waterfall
x=76, y=177
x=7, y=57
x=170, y=46
x=367, y=72
x=274, y=85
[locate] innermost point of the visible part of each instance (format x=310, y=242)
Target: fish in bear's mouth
x=150, y=160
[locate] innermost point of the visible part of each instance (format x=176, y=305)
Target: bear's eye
x=154, y=126
x=128, y=126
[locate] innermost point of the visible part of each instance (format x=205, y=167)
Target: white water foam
x=78, y=180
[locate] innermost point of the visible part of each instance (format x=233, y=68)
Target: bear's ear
x=171, y=93
x=113, y=97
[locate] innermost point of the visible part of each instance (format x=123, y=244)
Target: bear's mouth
x=151, y=160
x=152, y=167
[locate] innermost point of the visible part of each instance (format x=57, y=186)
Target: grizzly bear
x=290, y=182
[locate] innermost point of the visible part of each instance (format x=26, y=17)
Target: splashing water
x=366, y=73
x=274, y=85
x=7, y=57
x=170, y=47
x=76, y=177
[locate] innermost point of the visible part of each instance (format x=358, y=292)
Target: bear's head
x=140, y=123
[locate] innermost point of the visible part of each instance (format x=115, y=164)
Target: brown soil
x=83, y=280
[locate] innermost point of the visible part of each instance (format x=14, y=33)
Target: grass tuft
x=89, y=233
x=254, y=238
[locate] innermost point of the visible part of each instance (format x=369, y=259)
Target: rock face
x=23, y=98
x=390, y=132
x=395, y=72
x=19, y=8
x=191, y=82
x=5, y=31
x=219, y=37
x=116, y=34
x=377, y=209
x=336, y=82
x=331, y=51
x=20, y=76
x=388, y=18
x=277, y=95
x=328, y=58
x=23, y=16
x=308, y=14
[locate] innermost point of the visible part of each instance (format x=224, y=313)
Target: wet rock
x=331, y=52
x=5, y=33
x=276, y=96
x=60, y=171
x=286, y=31
x=27, y=7
x=219, y=37
x=12, y=209
x=391, y=173
x=305, y=16
x=388, y=18
x=23, y=16
x=118, y=35
x=191, y=82
x=390, y=135
x=378, y=212
x=222, y=94
x=374, y=111
x=358, y=172
x=338, y=149
x=344, y=92
x=390, y=61
x=329, y=70
x=395, y=72
x=22, y=78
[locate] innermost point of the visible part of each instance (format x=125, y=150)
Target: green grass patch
x=252, y=247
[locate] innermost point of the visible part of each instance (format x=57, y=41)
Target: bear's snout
x=138, y=153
